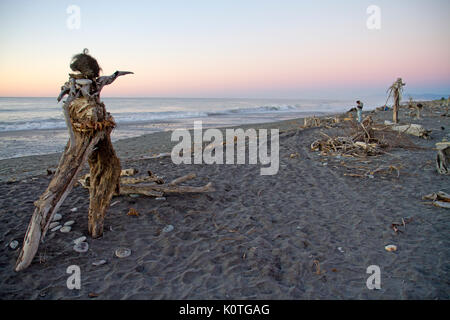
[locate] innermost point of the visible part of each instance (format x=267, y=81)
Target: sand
x=256, y=237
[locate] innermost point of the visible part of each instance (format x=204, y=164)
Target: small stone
x=371, y=176
x=14, y=244
x=98, y=263
x=57, y=217
x=53, y=224
x=168, y=228
x=56, y=228
x=74, y=209
x=81, y=247
x=325, y=163
x=123, y=252
x=69, y=223
x=391, y=248
x=340, y=249
x=65, y=229
x=79, y=240
x=134, y=195
x=160, y=198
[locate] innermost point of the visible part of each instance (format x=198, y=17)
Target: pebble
x=371, y=176
x=160, y=198
x=81, y=247
x=65, y=229
x=134, y=195
x=79, y=240
x=14, y=244
x=123, y=252
x=53, y=224
x=69, y=223
x=57, y=217
x=340, y=249
x=56, y=228
x=391, y=248
x=74, y=209
x=168, y=228
x=98, y=263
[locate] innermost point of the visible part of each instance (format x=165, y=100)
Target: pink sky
x=223, y=50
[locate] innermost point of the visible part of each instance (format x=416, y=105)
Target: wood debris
x=362, y=142
x=152, y=185
x=439, y=199
x=133, y=212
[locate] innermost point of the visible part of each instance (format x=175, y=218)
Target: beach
x=308, y=232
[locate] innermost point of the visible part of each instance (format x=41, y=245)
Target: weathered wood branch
x=65, y=176
x=156, y=189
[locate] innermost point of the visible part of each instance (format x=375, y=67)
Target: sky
x=228, y=49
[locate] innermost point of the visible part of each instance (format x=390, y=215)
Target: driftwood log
x=151, y=185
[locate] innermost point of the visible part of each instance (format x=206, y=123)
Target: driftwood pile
x=366, y=139
x=327, y=122
x=151, y=185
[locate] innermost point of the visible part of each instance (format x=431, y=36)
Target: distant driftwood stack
x=89, y=128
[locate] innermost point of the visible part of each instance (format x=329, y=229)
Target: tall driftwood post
x=89, y=128
x=396, y=90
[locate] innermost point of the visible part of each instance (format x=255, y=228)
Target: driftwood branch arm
x=106, y=80
x=89, y=128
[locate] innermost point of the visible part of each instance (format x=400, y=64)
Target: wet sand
x=255, y=237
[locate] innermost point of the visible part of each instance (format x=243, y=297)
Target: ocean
x=33, y=126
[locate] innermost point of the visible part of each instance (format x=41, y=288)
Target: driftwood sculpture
x=89, y=128
x=396, y=90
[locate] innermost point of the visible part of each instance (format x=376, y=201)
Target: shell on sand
x=14, y=244
x=98, y=263
x=56, y=228
x=53, y=224
x=167, y=228
x=65, y=229
x=123, y=252
x=79, y=240
x=391, y=248
x=81, y=247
